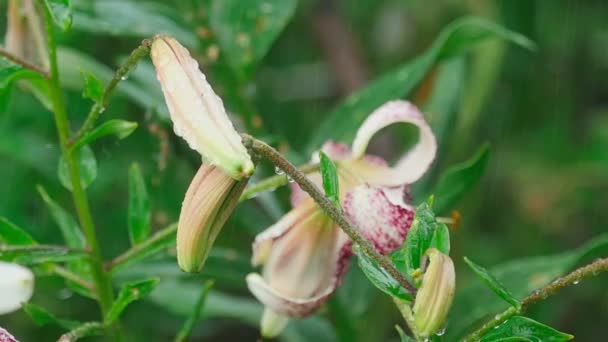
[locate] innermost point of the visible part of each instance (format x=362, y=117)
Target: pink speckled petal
x=5, y=336
x=413, y=164
x=382, y=214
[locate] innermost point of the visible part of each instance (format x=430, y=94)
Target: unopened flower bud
x=210, y=199
x=198, y=114
x=434, y=298
x=16, y=286
x=24, y=35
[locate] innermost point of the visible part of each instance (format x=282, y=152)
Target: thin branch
x=73, y=277
x=590, y=270
x=334, y=213
x=273, y=182
x=99, y=107
x=18, y=60
x=86, y=329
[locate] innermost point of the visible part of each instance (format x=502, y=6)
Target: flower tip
x=272, y=323
x=16, y=286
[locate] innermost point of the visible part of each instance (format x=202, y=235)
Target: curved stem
x=141, y=51
x=24, y=63
x=324, y=203
x=273, y=182
x=592, y=269
x=102, y=282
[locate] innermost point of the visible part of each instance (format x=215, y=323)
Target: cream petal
x=413, y=164
x=16, y=286
x=383, y=220
x=198, y=114
x=272, y=323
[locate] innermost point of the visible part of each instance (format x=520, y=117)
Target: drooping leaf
x=460, y=178
x=474, y=303
x=139, y=206
x=133, y=19
x=493, y=283
x=129, y=293
x=120, y=128
x=42, y=317
x=193, y=318
x=246, y=29
x=61, y=11
x=330, y=179
x=457, y=38
x=11, y=234
x=65, y=221
x=93, y=88
x=519, y=328
x=84, y=330
x=381, y=278
x=88, y=168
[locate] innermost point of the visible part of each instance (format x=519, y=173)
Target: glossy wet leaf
x=246, y=29
x=459, y=179
x=525, y=329
x=129, y=293
x=120, y=128
x=88, y=168
x=330, y=179
x=521, y=276
x=493, y=283
x=381, y=278
x=139, y=206
x=43, y=317
x=61, y=11
x=11, y=234
x=93, y=88
x=457, y=38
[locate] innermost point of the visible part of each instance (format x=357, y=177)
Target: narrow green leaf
x=161, y=240
x=69, y=228
x=474, y=303
x=246, y=29
x=441, y=239
x=139, y=206
x=330, y=179
x=381, y=278
x=519, y=328
x=119, y=128
x=460, y=178
x=457, y=38
x=129, y=293
x=38, y=254
x=88, y=168
x=493, y=283
x=93, y=89
x=186, y=329
x=84, y=330
x=13, y=235
x=42, y=317
x=61, y=11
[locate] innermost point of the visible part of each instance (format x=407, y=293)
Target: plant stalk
x=18, y=60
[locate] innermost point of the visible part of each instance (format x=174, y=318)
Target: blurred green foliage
x=544, y=113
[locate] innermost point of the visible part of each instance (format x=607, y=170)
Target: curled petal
x=198, y=114
x=304, y=257
x=381, y=214
x=210, y=199
x=413, y=164
x=16, y=286
x=272, y=323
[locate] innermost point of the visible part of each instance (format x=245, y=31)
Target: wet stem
x=101, y=278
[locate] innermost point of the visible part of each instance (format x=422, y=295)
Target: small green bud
x=434, y=298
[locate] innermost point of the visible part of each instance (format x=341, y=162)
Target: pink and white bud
x=16, y=286
x=198, y=114
x=25, y=36
x=210, y=199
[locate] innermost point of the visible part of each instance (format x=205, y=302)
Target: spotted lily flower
x=305, y=255
x=199, y=117
x=16, y=286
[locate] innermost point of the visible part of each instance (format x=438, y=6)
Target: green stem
x=102, y=281
x=99, y=107
x=86, y=329
x=273, y=182
x=408, y=316
x=324, y=203
x=592, y=269
x=68, y=275
x=18, y=60
x=188, y=326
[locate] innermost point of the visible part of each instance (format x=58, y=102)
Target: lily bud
x=198, y=114
x=210, y=199
x=16, y=286
x=24, y=35
x=434, y=298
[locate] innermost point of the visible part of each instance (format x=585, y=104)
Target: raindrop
x=576, y=282
x=65, y=293
x=441, y=332
x=102, y=109
x=289, y=179
x=124, y=78
x=278, y=171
